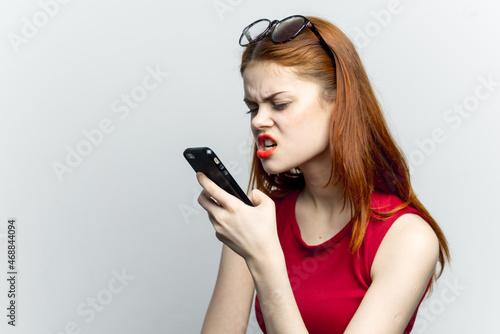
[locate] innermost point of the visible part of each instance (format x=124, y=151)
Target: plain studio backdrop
x=98, y=100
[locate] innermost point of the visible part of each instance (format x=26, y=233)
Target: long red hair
x=364, y=156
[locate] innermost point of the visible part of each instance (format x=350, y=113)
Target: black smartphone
x=204, y=159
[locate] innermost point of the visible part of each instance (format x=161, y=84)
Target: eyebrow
x=266, y=99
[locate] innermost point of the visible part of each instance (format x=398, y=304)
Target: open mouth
x=267, y=145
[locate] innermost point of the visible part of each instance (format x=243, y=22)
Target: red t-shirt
x=328, y=281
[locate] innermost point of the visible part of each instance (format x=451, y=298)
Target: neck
x=324, y=199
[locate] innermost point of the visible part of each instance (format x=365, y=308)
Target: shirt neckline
x=326, y=244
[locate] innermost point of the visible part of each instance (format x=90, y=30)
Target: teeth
x=269, y=142
x=266, y=143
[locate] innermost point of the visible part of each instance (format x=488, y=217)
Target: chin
x=273, y=168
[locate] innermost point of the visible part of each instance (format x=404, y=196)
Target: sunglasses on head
x=281, y=32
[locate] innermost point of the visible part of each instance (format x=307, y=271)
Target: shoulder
x=400, y=276
x=382, y=205
x=381, y=202
x=404, y=237
x=410, y=241
x=411, y=231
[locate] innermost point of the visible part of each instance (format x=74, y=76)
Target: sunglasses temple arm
x=322, y=41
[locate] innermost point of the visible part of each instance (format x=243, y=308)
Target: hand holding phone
x=250, y=231
x=204, y=159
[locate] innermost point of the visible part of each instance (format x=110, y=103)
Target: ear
x=328, y=98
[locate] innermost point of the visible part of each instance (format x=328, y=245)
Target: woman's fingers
x=215, y=212
x=222, y=197
x=208, y=203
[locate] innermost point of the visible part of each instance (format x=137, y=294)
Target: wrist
x=267, y=263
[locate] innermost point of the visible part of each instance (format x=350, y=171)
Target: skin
x=298, y=119
x=293, y=112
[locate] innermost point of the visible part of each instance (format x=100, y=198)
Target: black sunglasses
x=281, y=32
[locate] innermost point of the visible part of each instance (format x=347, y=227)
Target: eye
x=252, y=110
x=280, y=107
x=252, y=107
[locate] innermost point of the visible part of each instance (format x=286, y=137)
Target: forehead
x=266, y=73
x=266, y=78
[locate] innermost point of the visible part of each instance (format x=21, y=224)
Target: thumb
x=257, y=197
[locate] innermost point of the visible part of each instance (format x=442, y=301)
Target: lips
x=267, y=145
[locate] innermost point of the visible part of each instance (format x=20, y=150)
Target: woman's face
x=289, y=119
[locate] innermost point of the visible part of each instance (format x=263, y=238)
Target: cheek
x=314, y=132
x=312, y=125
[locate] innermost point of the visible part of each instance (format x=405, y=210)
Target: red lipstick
x=264, y=151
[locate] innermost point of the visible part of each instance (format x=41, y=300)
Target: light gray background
x=130, y=205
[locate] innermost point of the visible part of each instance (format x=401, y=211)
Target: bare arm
x=276, y=297
x=403, y=265
x=251, y=232
x=231, y=301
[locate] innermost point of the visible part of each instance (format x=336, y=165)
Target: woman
x=337, y=241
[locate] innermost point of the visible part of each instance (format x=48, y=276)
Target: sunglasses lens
x=288, y=29
x=253, y=32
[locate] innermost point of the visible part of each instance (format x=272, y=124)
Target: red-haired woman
x=337, y=241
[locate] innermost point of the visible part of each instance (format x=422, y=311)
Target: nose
x=262, y=119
